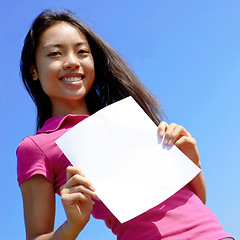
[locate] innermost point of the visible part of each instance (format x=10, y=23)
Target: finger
x=185, y=140
x=80, y=189
x=174, y=133
x=97, y=198
x=188, y=146
x=76, y=180
x=71, y=199
x=162, y=127
x=168, y=138
x=72, y=171
x=178, y=133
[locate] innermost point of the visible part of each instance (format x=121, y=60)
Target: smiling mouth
x=72, y=79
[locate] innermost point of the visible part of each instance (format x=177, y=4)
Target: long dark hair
x=114, y=80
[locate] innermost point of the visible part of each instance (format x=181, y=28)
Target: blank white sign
x=119, y=150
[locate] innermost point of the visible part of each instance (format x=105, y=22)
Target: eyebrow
x=62, y=45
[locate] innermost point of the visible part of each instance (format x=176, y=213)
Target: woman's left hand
x=178, y=135
x=181, y=138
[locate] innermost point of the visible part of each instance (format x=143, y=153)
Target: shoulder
x=31, y=160
x=28, y=152
x=37, y=144
x=28, y=146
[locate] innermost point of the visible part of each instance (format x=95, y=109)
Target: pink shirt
x=182, y=216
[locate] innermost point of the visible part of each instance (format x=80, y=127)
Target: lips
x=70, y=78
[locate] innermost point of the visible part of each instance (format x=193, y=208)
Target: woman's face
x=64, y=65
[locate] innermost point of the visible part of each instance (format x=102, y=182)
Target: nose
x=71, y=62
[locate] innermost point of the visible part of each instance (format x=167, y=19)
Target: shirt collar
x=55, y=123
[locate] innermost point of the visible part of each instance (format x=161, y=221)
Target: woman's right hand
x=76, y=196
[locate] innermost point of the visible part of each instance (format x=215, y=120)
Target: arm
x=176, y=134
x=39, y=206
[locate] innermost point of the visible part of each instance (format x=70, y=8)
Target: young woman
x=70, y=73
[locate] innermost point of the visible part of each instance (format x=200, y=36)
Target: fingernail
x=170, y=142
x=161, y=133
x=165, y=141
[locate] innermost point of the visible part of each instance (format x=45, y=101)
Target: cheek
x=48, y=70
x=92, y=70
x=90, y=67
x=47, y=73
x=90, y=73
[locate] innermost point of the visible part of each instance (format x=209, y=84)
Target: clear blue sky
x=187, y=52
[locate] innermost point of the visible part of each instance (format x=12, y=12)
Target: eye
x=83, y=51
x=55, y=53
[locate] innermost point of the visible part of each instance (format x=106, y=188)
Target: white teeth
x=72, y=79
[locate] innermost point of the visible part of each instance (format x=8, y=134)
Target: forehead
x=61, y=32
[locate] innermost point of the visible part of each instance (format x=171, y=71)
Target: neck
x=69, y=108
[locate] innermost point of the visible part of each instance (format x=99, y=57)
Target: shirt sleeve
x=31, y=160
